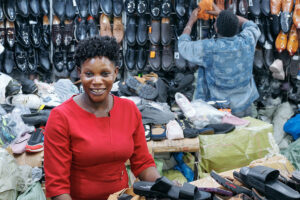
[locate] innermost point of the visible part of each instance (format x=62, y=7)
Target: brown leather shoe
x=296, y=15
x=292, y=45
x=275, y=6
x=281, y=41
x=105, y=28
x=287, y=5
x=155, y=58
x=118, y=29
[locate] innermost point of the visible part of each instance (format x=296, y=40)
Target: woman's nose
x=97, y=79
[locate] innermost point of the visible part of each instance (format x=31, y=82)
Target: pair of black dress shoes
x=135, y=34
x=184, y=8
x=258, y=7
x=10, y=8
x=26, y=59
x=7, y=33
x=64, y=59
x=33, y=7
x=86, y=28
x=65, y=9
x=110, y=7
x=30, y=32
x=62, y=34
x=161, y=58
x=161, y=32
x=157, y=8
x=136, y=59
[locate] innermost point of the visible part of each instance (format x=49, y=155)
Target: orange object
x=225, y=110
x=281, y=41
x=296, y=15
x=204, y=6
x=275, y=6
x=287, y=5
x=292, y=45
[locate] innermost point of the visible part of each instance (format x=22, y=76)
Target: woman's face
x=97, y=77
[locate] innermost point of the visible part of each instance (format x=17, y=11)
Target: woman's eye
x=105, y=73
x=88, y=74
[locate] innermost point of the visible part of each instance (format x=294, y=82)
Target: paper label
x=74, y=3
x=250, y=2
x=150, y=29
x=4, y=121
x=1, y=48
x=152, y=54
x=42, y=107
x=176, y=55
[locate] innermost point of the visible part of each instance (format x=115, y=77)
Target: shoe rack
x=173, y=18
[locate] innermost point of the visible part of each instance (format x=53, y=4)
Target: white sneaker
x=4, y=80
x=28, y=100
x=174, y=130
x=186, y=106
x=276, y=66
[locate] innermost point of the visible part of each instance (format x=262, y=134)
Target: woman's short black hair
x=227, y=24
x=97, y=47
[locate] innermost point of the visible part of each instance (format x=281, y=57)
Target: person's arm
x=57, y=157
x=62, y=197
x=217, y=11
x=149, y=174
x=242, y=20
x=189, y=25
x=141, y=162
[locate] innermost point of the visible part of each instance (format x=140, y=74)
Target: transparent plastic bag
x=206, y=114
x=2, y=111
x=24, y=178
x=20, y=127
x=12, y=125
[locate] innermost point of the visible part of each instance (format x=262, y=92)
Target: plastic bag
x=2, y=111
x=34, y=192
x=24, y=178
x=12, y=125
x=292, y=125
x=65, y=89
x=182, y=167
x=206, y=114
x=293, y=153
x=8, y=172
x=238, y=148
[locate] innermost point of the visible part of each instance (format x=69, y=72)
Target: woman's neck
x=93, y=106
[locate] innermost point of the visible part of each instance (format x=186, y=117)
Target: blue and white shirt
x=227, y=66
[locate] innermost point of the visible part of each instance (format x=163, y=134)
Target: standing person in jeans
x=227, y=60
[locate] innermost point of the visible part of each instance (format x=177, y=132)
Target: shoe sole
x=34, y=150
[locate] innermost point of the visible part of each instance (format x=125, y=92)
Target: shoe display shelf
x=183, y=145
x=141, y=58
x=73, y=73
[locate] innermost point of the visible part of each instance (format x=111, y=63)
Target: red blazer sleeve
x=141, y=159
x=57, y=155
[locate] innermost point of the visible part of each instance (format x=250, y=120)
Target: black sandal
x=164, y=188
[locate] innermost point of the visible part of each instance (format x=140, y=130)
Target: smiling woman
x=87, y=140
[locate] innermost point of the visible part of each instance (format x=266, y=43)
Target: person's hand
x=194, y=15
x=214, y=12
